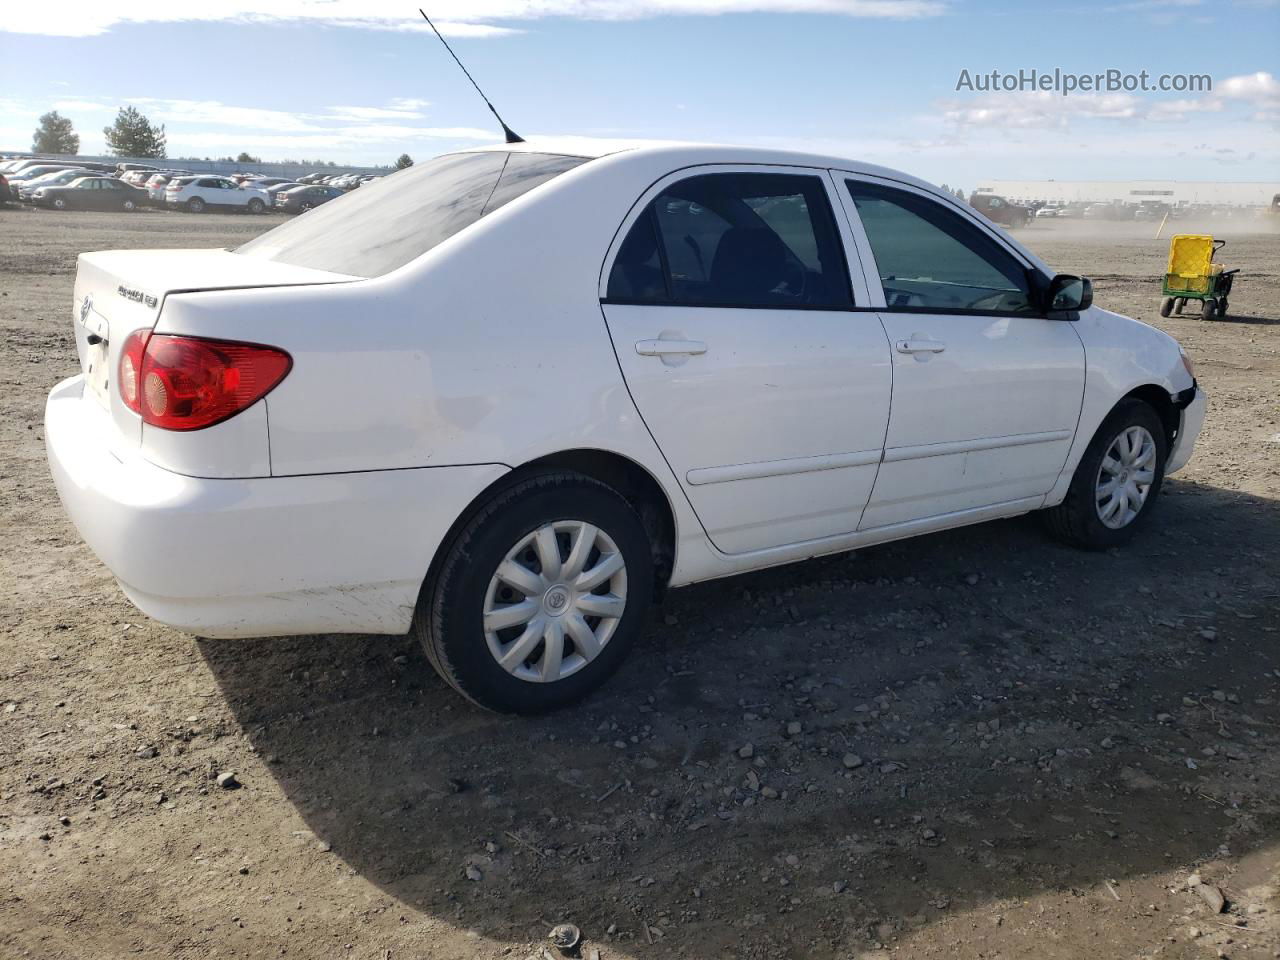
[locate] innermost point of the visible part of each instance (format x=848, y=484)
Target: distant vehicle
x=29, y=173
x=999, y=210
x=275, y=189
x=91, y=193
x=264, y=182
x=1097, y=211
x=4, y=190
x=1046, y=211
x=122, y=168
x=1275, y=205
x=55, y=178
x=156, y=183
x=197, y=194
x=302, y=198
x=1067, y=211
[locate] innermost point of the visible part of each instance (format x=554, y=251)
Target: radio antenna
x=511, y=135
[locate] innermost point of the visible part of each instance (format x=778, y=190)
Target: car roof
x=683, y=153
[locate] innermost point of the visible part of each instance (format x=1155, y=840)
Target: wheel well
x=627, y=477
x=1159, y=400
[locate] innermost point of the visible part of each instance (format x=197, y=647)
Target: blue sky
x=361, y=82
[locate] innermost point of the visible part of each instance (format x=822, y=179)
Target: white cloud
x=463, y=18
x=378, y=113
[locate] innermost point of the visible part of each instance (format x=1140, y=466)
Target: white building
x=1173, y=192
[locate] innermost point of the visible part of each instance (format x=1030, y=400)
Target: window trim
x=1036, y=277
x=853, y=273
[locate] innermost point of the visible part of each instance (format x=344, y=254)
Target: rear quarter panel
x=489, y=349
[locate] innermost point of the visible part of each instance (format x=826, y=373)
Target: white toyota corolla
x=504, y=397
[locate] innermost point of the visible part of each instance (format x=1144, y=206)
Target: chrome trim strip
x=781, y=468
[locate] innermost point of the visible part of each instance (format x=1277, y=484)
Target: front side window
x=395, y=219
x=735, y=239
x=931, y=258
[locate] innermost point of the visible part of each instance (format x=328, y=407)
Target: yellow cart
x=1191, y=274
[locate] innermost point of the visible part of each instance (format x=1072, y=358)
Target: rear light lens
x=187, y=383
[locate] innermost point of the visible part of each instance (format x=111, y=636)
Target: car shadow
x=982, y=715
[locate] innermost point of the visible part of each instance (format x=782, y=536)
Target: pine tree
x=54, y=135
x=132, y=135
x=404, y=160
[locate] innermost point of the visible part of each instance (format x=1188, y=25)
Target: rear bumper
x=334, y=553
x=1189, y=426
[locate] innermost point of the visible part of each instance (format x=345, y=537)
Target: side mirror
x=1068, y=294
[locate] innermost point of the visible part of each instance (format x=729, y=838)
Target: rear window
x=397, y=218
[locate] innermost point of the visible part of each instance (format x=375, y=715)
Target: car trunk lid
x=120, y=291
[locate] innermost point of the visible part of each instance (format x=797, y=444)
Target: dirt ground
x=1005, y=747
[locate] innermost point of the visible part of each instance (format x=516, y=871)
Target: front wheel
x=59, y=204
x=256, y=205
x=539, y=596
x=1166, y=306
x=129, y=206
x=195, y=205
x=1208, y=309
x=1117, y=481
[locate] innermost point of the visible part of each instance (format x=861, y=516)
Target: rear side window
x=395, y=219
x=931, y=258
x=735, y=239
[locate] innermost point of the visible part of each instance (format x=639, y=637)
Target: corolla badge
x=85, y=306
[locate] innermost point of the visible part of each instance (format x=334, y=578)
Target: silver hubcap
x=555, y=601
x=1125, y=477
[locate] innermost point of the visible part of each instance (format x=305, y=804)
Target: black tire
x=129, y=206
x=1166, y=306
x=59, y=203
x=195, y=205
x=256, y=205
x=304, y=206
x=1222, y=307
x=1178, y=307
x=1076, y=519
x=1208, y=309
x=449, y=617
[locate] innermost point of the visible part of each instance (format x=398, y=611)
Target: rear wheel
x=1117, y=481
x=59, y=203
x=256, y=205
x=1166, y=306
x=195, y=205
x=1207, y=309
x=129, y=206
x=305, y=205
x=1222, y=307
x=540, y=596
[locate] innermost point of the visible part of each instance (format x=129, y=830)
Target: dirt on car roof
x=975, y=744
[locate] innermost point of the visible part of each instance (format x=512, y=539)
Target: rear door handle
x=662, y=348
x=920, y=346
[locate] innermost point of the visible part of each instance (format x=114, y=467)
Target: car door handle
x=662, y=348
x=920, y=346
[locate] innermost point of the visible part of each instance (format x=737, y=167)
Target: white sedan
x=504, y=398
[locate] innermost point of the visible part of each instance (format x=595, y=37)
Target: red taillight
x=185, y=383
x=130, y=373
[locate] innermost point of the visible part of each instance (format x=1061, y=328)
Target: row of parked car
x=89, y=185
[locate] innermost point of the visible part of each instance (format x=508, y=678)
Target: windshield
x=392, y=220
